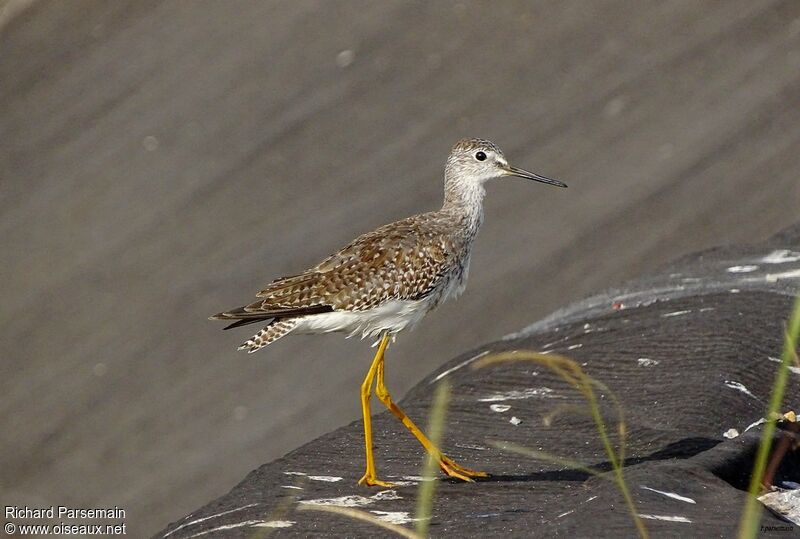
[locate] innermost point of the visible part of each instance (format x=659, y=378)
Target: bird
x=386, y=281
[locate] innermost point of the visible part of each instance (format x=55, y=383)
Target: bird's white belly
x=393, y=317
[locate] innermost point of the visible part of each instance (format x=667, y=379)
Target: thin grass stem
x=751, y=516
x=547, y=457
x=573, y=374
x=427, y=487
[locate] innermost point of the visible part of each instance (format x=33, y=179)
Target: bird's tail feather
x=246, y=322
x=271, y=333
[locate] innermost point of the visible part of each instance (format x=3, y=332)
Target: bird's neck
x=464, y=200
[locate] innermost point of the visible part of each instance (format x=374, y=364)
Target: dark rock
x=690, y=354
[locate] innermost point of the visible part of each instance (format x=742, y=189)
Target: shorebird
x=386, y=281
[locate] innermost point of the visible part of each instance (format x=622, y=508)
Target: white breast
x=393, y=317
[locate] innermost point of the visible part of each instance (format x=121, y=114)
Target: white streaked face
x=489, y=163
x=479, y=160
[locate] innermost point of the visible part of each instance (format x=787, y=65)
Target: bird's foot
x=454, y=469
x=369, y=480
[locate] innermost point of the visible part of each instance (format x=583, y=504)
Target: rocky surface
x=691, y=354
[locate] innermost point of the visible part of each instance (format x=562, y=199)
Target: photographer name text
x=61, y=511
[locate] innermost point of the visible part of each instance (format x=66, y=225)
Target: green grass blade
x=751, y=516
x=427, y=487
x=547, y=457
x=572, y=373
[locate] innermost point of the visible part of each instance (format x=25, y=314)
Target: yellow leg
x=448, y=466
x=370, y=479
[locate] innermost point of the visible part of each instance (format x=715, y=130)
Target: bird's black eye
x=480, y=156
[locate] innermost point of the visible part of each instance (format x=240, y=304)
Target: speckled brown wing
x=401, y=260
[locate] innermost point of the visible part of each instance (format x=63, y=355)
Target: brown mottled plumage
x=423, y=258
x=404, y=260
x=387, y=280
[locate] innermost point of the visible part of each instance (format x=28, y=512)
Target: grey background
x=160, y=161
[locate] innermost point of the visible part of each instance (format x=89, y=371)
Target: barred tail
x=271, y=333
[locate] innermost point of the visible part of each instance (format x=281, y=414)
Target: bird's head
x=479, y=160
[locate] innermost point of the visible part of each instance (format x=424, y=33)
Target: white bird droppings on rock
x=474, y=447
x=730, y=434
x=739, y=387
x=647, y=362
x=775, y=277
x=462, y=364
x=418, y=478
x=674, y=313
x=781, y=256
x=669, y=495
x=499, y=408
x=784, y=502
x=355, y=500
x=742, y=269
x=519, y=394
x=755, y=424
x=325, y=478
x=203, y=519
x=386, y=495
x=394, y=517
x=665, y=517
x=795, y=370
x=515, y=420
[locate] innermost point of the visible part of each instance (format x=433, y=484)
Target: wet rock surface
x=691, y=354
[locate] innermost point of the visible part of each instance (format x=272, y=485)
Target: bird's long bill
x=514, y=171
